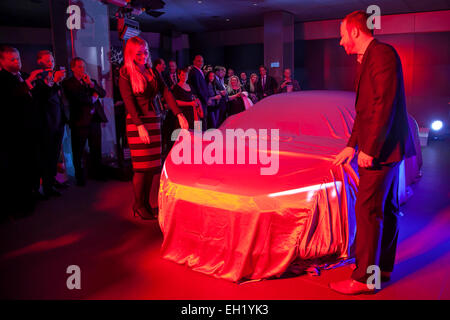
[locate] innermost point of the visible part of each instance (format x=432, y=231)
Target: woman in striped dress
x=138, y=86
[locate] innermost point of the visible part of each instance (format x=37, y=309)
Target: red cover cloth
x=229, y=221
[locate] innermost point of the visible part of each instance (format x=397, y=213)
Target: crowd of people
x=210, y=94
x=40, y=104
x=36, y=108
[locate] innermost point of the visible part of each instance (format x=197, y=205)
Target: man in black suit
x=266, y=85
x=18, y=131
x=199, y=87
x=170, y=77
x=221, y=88
x=86, y=115
x=381, y=135
x=47, y=96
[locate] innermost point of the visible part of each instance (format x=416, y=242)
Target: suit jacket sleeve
x=192, y=81
x=75, y=96
x=128, y=97
x=383, y=72
x=97, y=88
x=196, y=86
x=353, y=141
x=168, y=96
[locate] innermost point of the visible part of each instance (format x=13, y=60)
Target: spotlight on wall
x=437, y=125
x=437, y=130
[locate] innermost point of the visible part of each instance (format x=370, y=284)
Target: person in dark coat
x=381, y=136
x=197, y=82
x=47, y=95
x=18, y=129
x=86, y=116
x=266, y=85
x=288, y=84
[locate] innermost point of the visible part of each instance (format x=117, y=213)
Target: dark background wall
x=422, y=41
x=241, y=58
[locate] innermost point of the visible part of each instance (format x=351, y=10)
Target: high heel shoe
x=143, y=214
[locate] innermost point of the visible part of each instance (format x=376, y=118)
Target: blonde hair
x=251, y=85
x=230, y=87
x=137, y=79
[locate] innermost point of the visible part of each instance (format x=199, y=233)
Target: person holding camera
x=288, y=84
x=52, y=117
x=17, y=154
x=86, y=115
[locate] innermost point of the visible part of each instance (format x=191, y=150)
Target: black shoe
x=51, y=192
x=59, y=185
x=81, y=183
x=37, y=196
x=143, y=213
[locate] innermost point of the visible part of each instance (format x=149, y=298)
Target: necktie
x=264, y=82
x=174, y=78
x=19, y=77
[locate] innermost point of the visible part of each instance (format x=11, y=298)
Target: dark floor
x=93, y=228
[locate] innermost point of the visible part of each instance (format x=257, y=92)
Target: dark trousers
x=376, y=210
x=51, y=148
x=222, y=111
x=205, y=116
x=213, y=117
x=79, y=135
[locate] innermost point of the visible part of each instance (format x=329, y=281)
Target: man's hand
x=34, y=74
x=59, y=76
x=364, y=160
x=345, y=155
x=88, y=81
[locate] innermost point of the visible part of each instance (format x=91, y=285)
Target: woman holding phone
x=138, y=86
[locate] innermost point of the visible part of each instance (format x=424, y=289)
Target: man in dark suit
x=199, y=87
x=86, y=115
x=47, y=96
x=221, y=88
x=170, y=77
x=266, y=85
x=18, y=131
x=381, y=135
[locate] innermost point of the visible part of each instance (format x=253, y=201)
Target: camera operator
x=47, y=96
x=288, y=84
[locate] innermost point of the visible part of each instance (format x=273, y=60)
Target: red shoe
x=352, y=287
